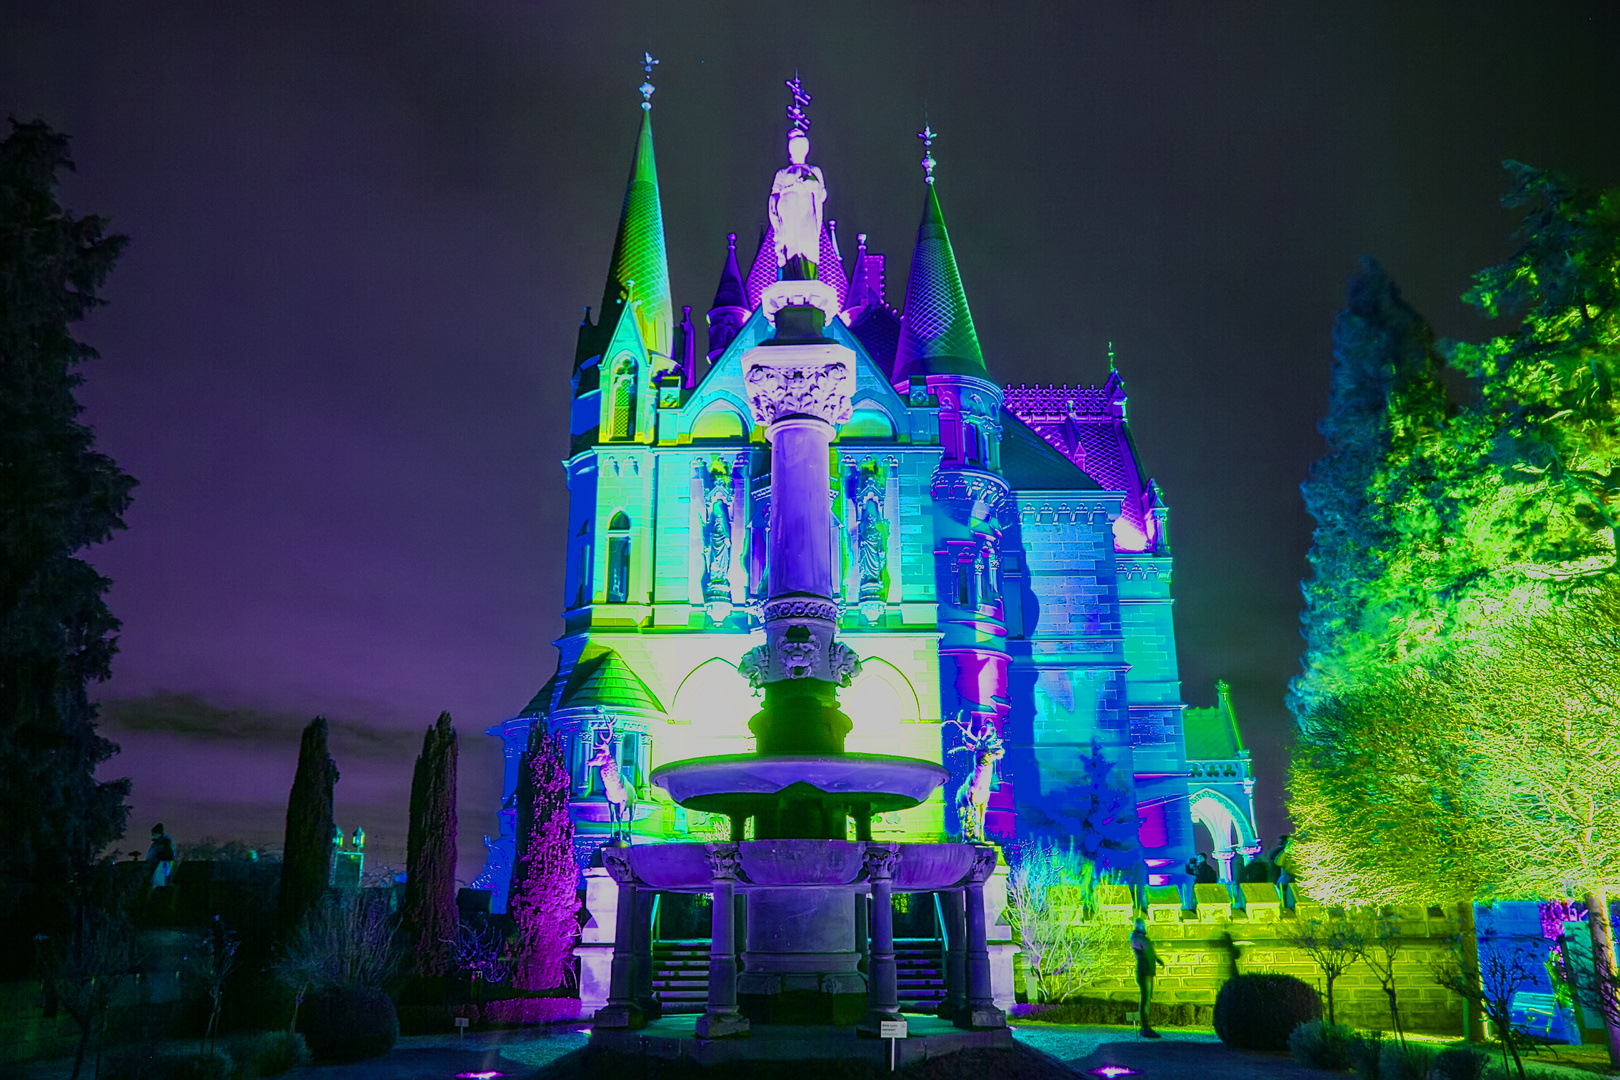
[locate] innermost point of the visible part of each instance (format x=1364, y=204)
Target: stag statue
x=983, y=742
x=619, y=792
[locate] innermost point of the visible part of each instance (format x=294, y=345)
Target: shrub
x=151, y=1063
x=1321, y=1045
x=1259, y=1012
x=1409, y=1062
x=544, y=1010
x=269, y=1053
x=1367, y=1055
x=350, y=1023
x=1461, y=1063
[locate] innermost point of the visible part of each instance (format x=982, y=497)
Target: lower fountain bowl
x=733, y=783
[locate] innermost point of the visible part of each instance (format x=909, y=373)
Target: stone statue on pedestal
x=797, y=197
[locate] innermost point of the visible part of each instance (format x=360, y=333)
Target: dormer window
x=622, y=400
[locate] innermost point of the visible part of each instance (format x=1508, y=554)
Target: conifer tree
x=58, y=495
x=430, y=915
x=306, y=862
x=544, y=900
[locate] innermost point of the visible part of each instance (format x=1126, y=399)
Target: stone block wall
x=1203, y=948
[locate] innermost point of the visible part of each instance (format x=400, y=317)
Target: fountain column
x=721, y=1018
x=883, y=987
x=621, y=1010
x=981, y=1011
x=955, y=954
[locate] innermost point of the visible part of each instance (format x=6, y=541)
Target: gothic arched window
x=622, y=417
x=972, y=443
x=618, y=552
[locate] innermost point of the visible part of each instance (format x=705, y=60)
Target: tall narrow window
x=622, y=423
x=618, y=552
x=964, y=584
x=972, y=447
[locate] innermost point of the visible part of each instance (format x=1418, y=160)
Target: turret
x=730, y=308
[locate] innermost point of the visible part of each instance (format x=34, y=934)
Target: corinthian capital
x=800, y=380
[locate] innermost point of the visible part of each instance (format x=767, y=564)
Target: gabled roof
x=601, y=677
x=1030, y=463
x=1212, y=734
x=639, y=268
x=936, y=329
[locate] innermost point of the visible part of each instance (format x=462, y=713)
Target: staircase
x=681, y=975
x=920, y=969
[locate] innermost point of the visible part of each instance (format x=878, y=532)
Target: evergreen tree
x=544, y=900
x=1386, y=518
x=58, y=495
x=306, y=862
x=430, y=916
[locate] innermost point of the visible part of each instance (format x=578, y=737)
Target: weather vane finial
x=928, y=135
x=795, y=111
x=646, y=87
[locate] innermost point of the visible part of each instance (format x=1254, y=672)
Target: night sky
x=337, y=350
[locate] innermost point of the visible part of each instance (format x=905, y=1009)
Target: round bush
x=1259, y=1012
x=349, y=1024
x=268, y=1053
x=1461, y=1063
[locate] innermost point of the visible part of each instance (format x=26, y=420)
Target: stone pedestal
x=595, y=948
x=883, y=995
x=981, y=1011
x=800, y=961
x=621, y=1010
x=721, y=1017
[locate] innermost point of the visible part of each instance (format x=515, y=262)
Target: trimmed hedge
x=1259, y=1012
x=349, y=1024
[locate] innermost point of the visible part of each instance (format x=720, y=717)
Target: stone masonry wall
x=1203, y=948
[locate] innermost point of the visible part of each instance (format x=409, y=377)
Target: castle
x=1003, y=558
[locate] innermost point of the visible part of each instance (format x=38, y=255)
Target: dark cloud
x=191, y=717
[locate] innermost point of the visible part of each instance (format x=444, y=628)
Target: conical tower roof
x=936, y=328
x=639, y=270
x=731, y=293
x=603, y=678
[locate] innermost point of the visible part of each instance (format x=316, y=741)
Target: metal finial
x=1111, y=368
x=928, y=135
x=647, y=88
x=795, y=111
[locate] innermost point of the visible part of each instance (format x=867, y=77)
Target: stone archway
x=1227, y=823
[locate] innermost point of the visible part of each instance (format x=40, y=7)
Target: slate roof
x=1030, y=463
x=639, y=263
x=936, y=329
x=601, y=677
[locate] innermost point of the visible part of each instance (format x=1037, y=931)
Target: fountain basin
x=734, y=783
x=777, y=864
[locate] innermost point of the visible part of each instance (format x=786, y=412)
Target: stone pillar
x=621, y=1010
x=721, y=1017
x=954, y=910
x=981, y=1011
x=883, y=989
x=646, y=903
x=595, y=948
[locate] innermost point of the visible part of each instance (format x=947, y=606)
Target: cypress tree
x=58, y=495
x=544, y=900
x=306, y=866
x=430, y=915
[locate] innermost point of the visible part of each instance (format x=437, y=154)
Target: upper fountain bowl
x=730, y=783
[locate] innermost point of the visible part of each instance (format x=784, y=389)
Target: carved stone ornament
x=984, y=864
x=844, y=665
x=809, y=380
x=755, y=665
x=725, y=862
x=825, y=610
x=617, y=862
x=798, y=659
x=882, y=860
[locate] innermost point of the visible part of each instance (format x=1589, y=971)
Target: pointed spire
x=638, y=274
x=936, y=328
x=731, y=307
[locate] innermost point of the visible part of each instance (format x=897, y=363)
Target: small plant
x=210, y=962
x=1398, y=1061
x=1504, y=969
x=1052, y=902
x=269, y=1053
x=1321, y=1045
x=348, y=941
x=1367, y=1055
x=1260, y=1011
x=86, y=971
x=351, y=1023
x=1461, y=1063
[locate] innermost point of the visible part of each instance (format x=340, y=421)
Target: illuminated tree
x=544, y=899
x=306, y=861
x=58, y=496
x=1548, y=386
x=1052, y=903
x=429, y=912
x=1333, y=945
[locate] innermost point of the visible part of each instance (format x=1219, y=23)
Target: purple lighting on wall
x=1112, y=1071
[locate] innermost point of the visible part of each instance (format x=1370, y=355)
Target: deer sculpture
x=619, y=792
x=983, y=742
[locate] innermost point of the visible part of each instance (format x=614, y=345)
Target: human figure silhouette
x=1148, y=963
x=1204, y=872
x=160, y=856
x=1282, y=862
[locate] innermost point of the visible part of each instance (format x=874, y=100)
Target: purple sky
x=338, y=346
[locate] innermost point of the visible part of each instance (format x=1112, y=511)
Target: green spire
x=936, y=328
x=640, y=270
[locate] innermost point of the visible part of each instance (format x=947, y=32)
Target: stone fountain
x=817, y=944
